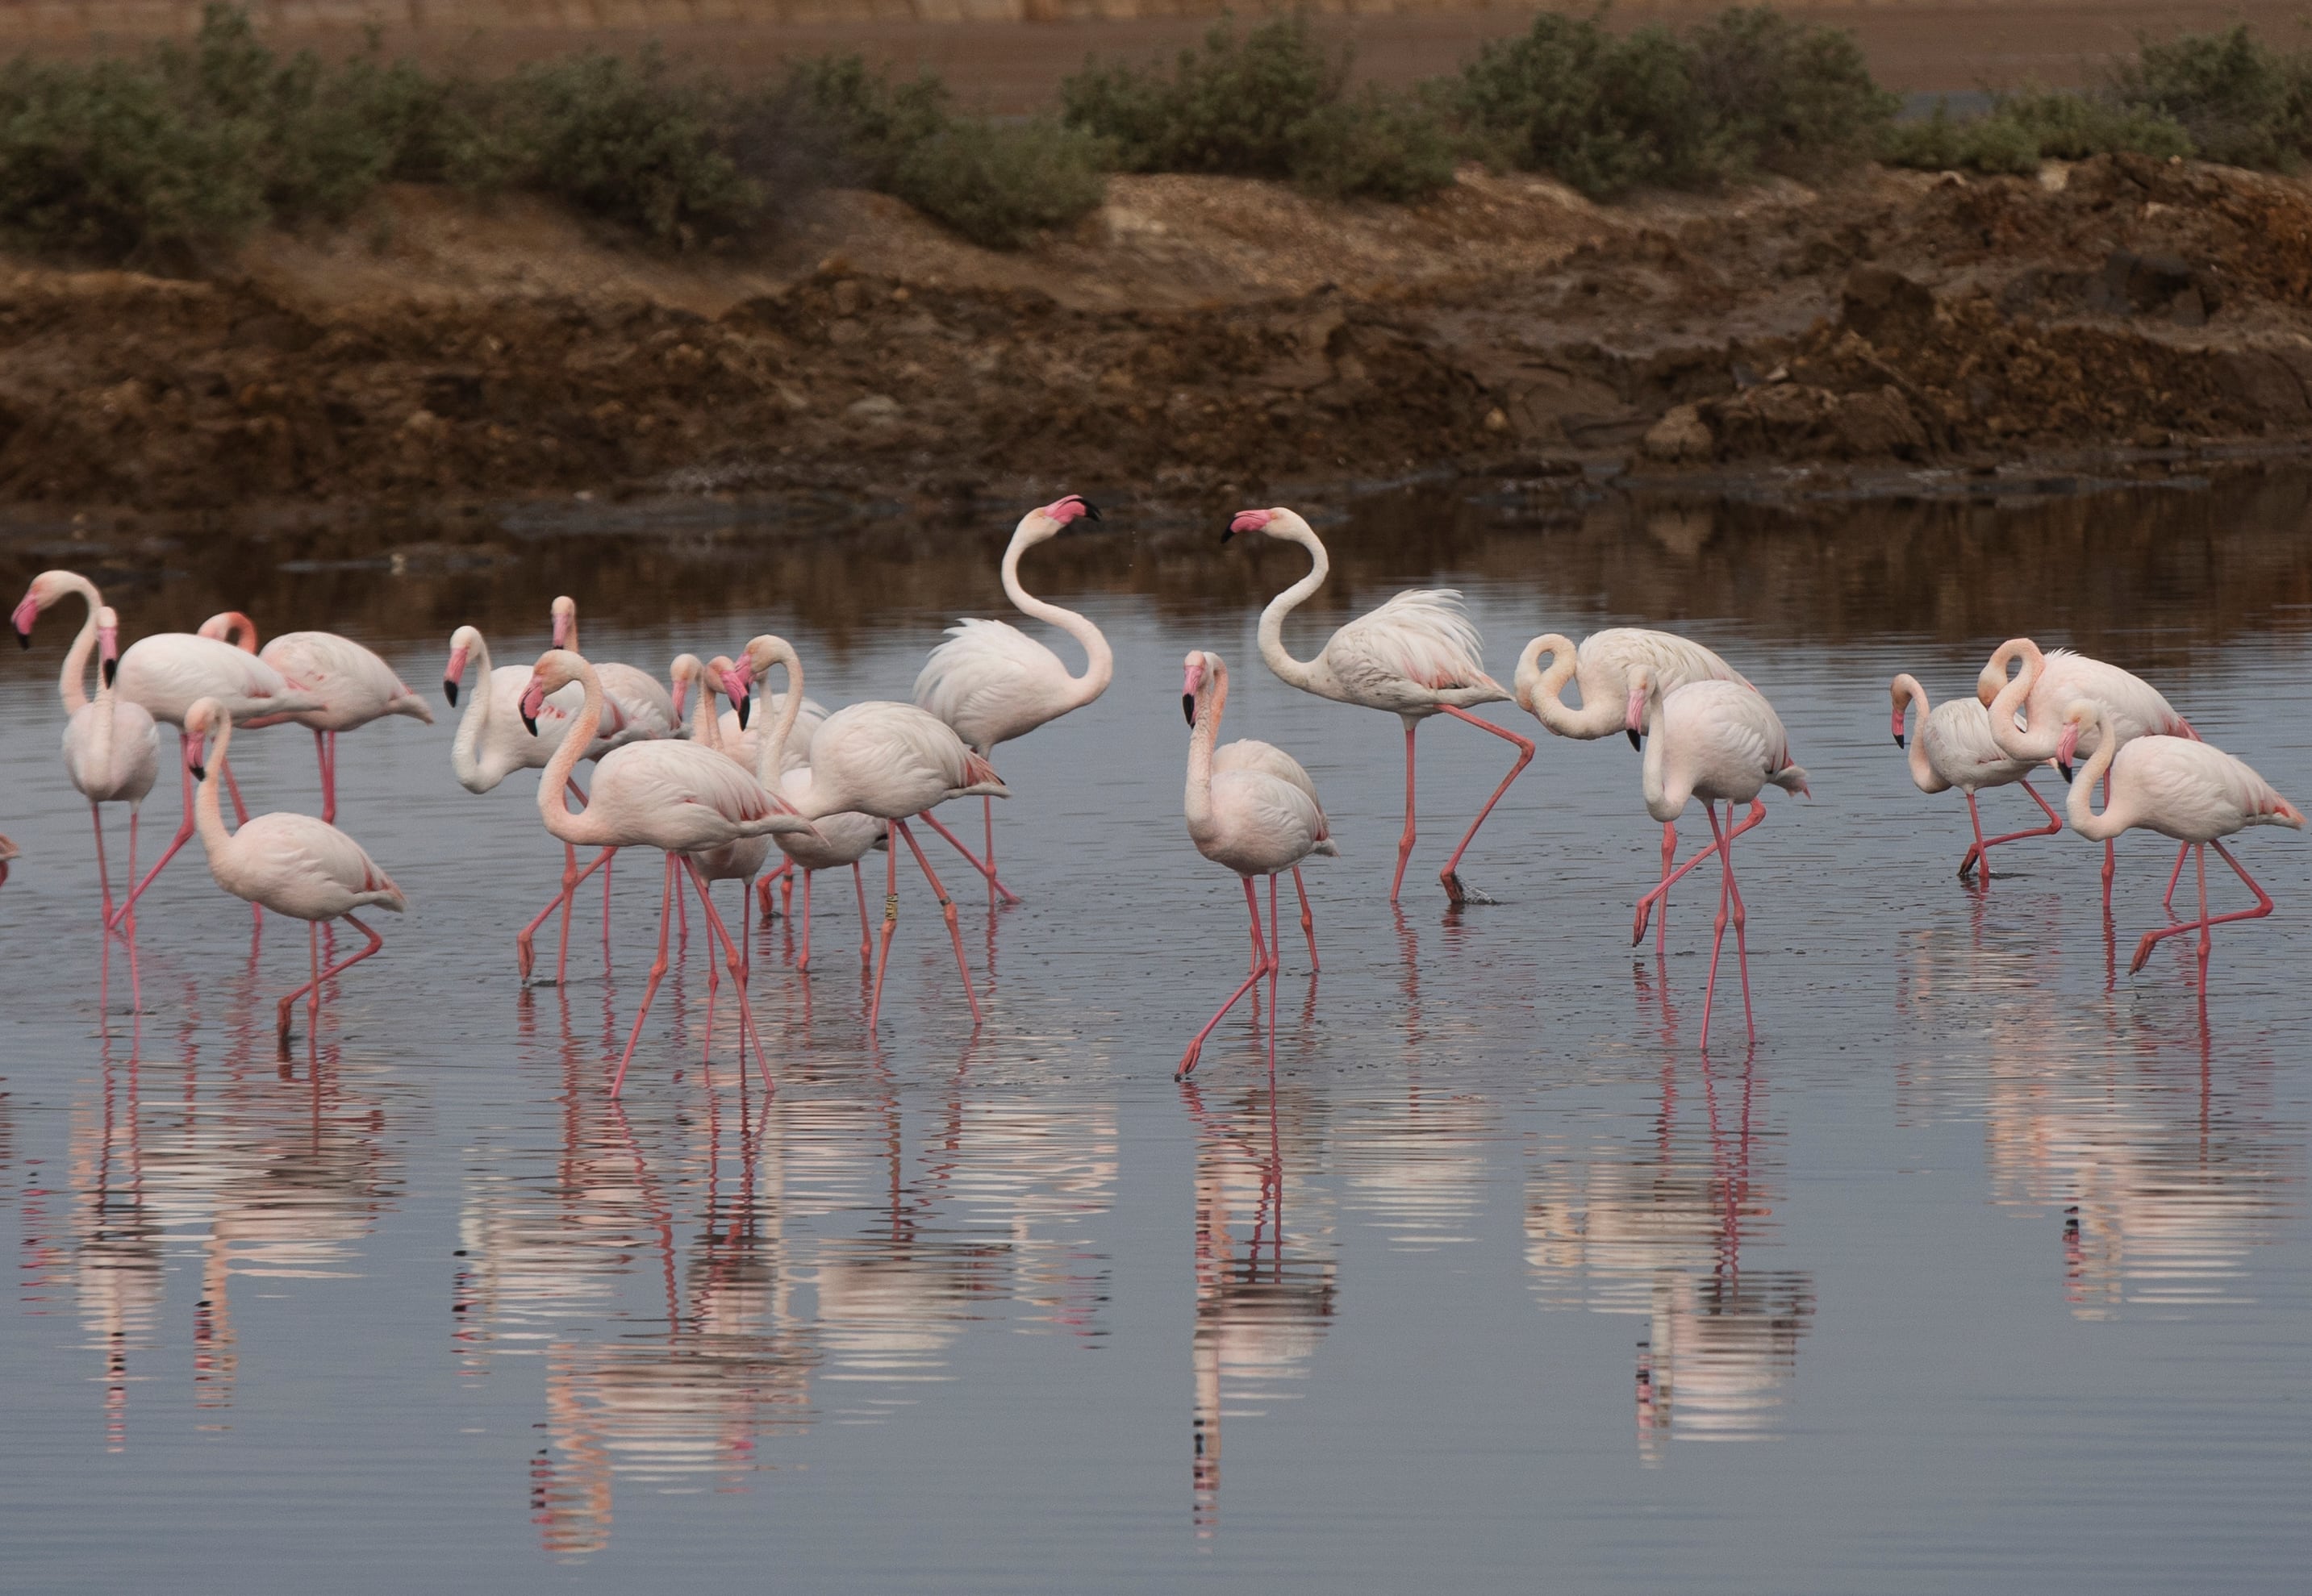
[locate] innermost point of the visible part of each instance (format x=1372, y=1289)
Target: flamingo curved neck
x=1100, y=663
x=72, y=682
x=465, y=759
x=2079, y=805
x=1542, y=692
x=552, y=807
x=771, y=753
x=1212, y=701
x=1923, y=774
x=1654, y=779
x=1308, y=675
x=208, y=813
x=2028, y=742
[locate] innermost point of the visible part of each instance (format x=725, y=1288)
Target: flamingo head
x=565, y=621
x=1192, y=684
x=108, y=643
x=1634, y=714
x=717, y=673
x=205, y=715
x=1249, y=521
x=462, y=643
x=1902, y=709
x=685, y=670
x=1063, y=511
x=46, y=589
x=557, y=668
x=761, y=652
x=739, y=683
x=2076, y=719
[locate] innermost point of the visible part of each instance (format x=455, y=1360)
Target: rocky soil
x=1200, y=338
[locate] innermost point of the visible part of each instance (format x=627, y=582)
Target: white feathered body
x=678, y=797
x=849, y=837
x=744, y=745
x=1604, y=668
x=2186, y=789
x=992, y=682
x=492, y=743
x=115, y=763
x=1261, y=815
x=168, y=671
x=894, y=761
x=301, y=867
x=1718, y=741
x=2137, y=707
x=1414, y=653
x=1961, y=752
x=636, y=706
x=355, y=685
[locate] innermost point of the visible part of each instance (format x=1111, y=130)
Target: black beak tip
x=1092, y=510
x=1188, y=707
x=1899, y=742
x=531, y=723
x=1635, y=740
x=111, y=670
x=744, y=707
x=23, y=638
x=449, y=691
x=200, y=772
x=1227, y=533
x=2064, y=766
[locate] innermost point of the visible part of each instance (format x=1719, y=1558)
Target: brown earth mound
x=1199, y=336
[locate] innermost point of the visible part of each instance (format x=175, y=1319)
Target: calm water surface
x=1988, y=1266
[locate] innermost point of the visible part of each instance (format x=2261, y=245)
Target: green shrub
x=835, y=119
x=1374, y=145
x=2242, y=102
x=2073, y=126
x=1000, y=186
x=1783, y=96
x=1991, y=143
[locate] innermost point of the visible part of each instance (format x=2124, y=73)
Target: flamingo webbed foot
x=1459, y=892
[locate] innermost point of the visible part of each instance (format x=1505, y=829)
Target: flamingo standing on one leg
x=1717, y=741
x=167, y=673
x=2179, y=787
x=675, y=796
x=1602, y=667
x=113, y=748
x=1415, y=655
x=890, y=761
x=2045, y=686
x=355, y=686
x=843, y=839
x=494, y=739
x=1249, y=817
x=1955, y=748
x=292, y=864
x=993, y=682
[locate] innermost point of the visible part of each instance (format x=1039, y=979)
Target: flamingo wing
x=1251, y=753
x=2193, y=792
x=302, y=866
x=992, y=682
x=357, y=686
x=1422, y=637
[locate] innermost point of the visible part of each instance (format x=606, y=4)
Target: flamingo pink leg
x=1981, y=852
x=571, y=877
x=956, y=842
x=332, y=973
x=719, y=931
x=947, y=908
x=657, y=974
x=1450, y=875
x=240, y=809
x=866, y=938
x=184, y=834
x=1646, y=905
x=802, y=958
x=1404, y=844
x=103, y=875
x=1274, y=965
x=1196, y=1045
x=1669, y=857
x=1729, y=895
x=128, y=922
x=2204, y=924
x=891, y=924
x=1308, y=921
x=2174, y=876
x=324, y=756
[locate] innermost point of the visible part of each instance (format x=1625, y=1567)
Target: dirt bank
x=1199, y=337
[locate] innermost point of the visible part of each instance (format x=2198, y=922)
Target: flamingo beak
x=2064, y=749
x=739, y=706
x=681, y=692
x=1633, y=717
x=1635, y=740
x=111, y=670
x=450, y=690
x=1188, y=706
x=1899, y=743
x=533, y=699
x=192, y=757
x=1092, y=510
x=452, y=674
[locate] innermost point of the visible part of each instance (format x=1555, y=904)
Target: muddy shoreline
x=1203, y=340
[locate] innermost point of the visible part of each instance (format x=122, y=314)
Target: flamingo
x=167, y=673
x=1716, y=740
x=2045, y=687
x=1603, y=667
x=993, y=682
x=740, y=859
x=1251, y=813
x=741, y=739
x=1415, y=655
x=848, y=838
x=675, y=796
x=2179, y=787
x=355, y=685
x=9, y=854
x=113, y=748
x=880, y=758
x=1956, y=748
x=292, y=864
x=494, y=739
x=646, y=709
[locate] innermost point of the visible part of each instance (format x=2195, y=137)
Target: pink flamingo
x=1415, y=655
x=645, y=710
x=113, y=748
x=886, y=760
x=2179, y=787
x=2045, y=687
x=1956, y=748
x=740, y=859
x=1717, y=741
x=1251, y=816
x=993, y=682
x=292, y=864
x=355, y=685
x=1605, y=667
x=675, y=796
x=494, y=739
x=166, y=674
x=845, y=839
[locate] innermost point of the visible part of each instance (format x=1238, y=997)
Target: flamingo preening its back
x=1416, y=656
x=1955, y=748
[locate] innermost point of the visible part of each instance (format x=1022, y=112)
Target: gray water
x=1988, y=1266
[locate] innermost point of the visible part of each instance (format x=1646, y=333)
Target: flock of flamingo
x=715, y=792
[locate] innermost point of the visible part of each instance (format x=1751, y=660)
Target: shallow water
x=1990, y=1263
